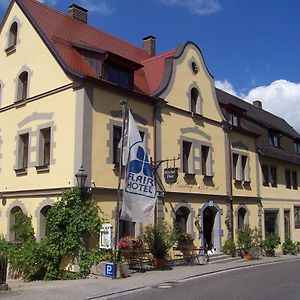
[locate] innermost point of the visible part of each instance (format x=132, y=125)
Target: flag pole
x=119, y=196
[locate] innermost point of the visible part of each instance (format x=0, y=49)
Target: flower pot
x=248, y=256
x=160, y=263
x=123, y=270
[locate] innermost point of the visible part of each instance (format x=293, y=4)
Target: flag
x=139, y=195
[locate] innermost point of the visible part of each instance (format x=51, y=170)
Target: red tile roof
x=61, y=32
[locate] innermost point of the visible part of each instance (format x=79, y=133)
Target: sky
x=252, y=48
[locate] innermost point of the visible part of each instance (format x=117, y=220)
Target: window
x=274, y=140
x=265, y=175
x=119, y=76
x=23, y=151
x=22, y=86
x=117, y=132
x=126, y=228
x=233, y=119
x=187, y=157
x=45, y=147
x=194, y=100
x=43, y=229
x=195, y=67
x=294, y=180
x=16, y=222
x=297, y=148
x=206, y=165
x=241, y=218
x=271, y=222
x=12, y=38
x=240, y=167
x=273, y=172
x=297, y=216
x=181, y=220
x=288, y=181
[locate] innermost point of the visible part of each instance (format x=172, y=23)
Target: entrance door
x=209, y=214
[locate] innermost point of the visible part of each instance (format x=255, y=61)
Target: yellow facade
x=219, y=165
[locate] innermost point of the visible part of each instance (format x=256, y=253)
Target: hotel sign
x=171, y=175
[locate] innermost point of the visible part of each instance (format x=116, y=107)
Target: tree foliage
x=72, y=224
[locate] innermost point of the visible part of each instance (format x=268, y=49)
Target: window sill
x=10, y=50
x=20, y=102
x=21, y=171
x=189, y=175
x=196, y=115
x=206, y=176
x=297, y=226
x=42, y=168
x=274, y=185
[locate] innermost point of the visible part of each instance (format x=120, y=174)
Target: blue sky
x=252, y=48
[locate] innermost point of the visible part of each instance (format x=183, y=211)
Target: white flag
x=139, y=196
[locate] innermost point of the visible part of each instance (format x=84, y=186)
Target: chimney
x=149, y=44
x=257, y=104
x=77, y=12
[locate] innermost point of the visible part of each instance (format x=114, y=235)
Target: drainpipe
x=227, y=128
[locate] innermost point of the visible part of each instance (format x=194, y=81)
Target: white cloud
x=97, y=6
x=281, y=97
x=226, y=86
x=197, y=7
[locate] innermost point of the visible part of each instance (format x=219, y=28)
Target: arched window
x=181, y=219
x=22, y=85
x=43, y=228
x=241, y=218
x=194, y=100
x=15, y=220
x=12, y=39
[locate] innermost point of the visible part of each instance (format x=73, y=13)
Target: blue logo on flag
x=140, y=179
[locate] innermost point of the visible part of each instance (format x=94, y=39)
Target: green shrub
x=269, y=245
x=245, y=238
x=229, y=248
x=290, y=247
x=160, y=238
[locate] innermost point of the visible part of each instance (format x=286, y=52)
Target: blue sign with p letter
x=109, y=270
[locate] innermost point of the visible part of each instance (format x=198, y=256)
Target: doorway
x=209, y=214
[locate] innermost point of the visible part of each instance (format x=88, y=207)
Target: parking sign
x=109, y=270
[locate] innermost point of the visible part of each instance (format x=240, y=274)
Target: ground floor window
x=181, y=219
x=43, y=228
x=271, y=222
x=126, y=228
x=297, y=216
x=241, y=218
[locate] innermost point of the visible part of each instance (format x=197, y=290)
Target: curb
x=207, y=273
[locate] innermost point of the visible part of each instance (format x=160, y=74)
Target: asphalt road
x=275, y=281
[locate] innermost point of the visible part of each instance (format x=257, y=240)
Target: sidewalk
x=84, y=289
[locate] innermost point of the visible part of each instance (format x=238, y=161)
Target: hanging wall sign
x=171, y=175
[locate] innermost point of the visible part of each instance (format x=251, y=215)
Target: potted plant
x=229, y=248
x=269, y=245
x=290, y=247
x=160, y=237
x=244, y=242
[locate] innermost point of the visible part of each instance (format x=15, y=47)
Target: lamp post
x=81, y=177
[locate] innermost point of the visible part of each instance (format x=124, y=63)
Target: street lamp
x=81, y=177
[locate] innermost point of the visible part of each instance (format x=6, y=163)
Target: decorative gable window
x=240, y=167
x=195, y=101
x=274, y=139
x=22, y=86
x=119, y=76
x=12, y=38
